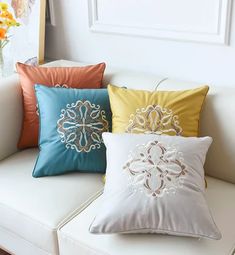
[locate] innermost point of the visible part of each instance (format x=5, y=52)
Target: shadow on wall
x=216, y=126
x=57, y=33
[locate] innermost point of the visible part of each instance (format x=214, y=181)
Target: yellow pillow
x=160, y=112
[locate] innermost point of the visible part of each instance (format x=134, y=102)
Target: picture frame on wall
x=28, y=40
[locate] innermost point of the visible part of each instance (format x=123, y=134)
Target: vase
x=6, y=61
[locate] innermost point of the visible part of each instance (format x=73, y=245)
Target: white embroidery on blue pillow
x=81, y=125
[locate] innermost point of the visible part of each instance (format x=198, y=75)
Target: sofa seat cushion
x=33, y=209
x=74, y=237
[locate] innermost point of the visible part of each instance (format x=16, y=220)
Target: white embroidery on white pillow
x=156, y=169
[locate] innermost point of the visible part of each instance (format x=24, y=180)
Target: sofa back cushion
x=217, y=118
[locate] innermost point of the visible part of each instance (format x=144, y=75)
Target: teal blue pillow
x=71, y=125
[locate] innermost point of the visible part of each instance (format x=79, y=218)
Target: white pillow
x=155, y=184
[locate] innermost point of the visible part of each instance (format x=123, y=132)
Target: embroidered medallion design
x=154, y=120
x=155, y=169
x=61, y=86
x=81, y=125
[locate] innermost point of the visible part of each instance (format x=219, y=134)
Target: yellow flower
x=11, y=23
x=6, y=15
x=3, y=6
x=6, y=22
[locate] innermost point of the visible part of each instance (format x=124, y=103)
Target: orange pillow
x=74, y=77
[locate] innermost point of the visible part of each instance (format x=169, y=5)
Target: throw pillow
x=71, y=125
x=76, y=77
x=155, y=184
x=159, y=112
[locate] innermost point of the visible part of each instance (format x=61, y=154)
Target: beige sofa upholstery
x=74, y=237
x=31, y=210
x=51, y=215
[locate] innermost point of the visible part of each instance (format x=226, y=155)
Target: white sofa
x=51, y=215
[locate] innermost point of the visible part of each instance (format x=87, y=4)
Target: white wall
x=72, y=39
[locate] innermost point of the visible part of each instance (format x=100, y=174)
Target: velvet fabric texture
x=75, y=77
x=157, y=112
x=71, y=125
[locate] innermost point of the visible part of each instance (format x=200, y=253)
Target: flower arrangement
x=6, y=22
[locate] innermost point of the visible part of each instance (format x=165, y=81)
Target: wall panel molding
x=199, y=21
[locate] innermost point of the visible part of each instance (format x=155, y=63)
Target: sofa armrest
x=10, y=115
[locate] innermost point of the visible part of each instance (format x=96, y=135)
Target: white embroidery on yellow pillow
x=154, y=120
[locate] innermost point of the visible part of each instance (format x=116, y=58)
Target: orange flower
x=2, y=33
